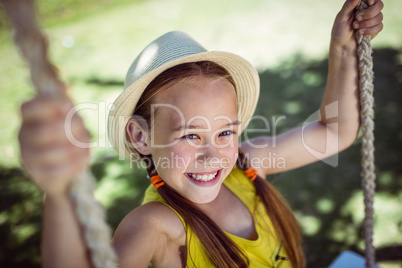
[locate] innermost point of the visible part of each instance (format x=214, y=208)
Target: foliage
x=20, y=220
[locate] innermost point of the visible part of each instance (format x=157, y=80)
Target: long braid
x=221, y=250
x=282, y=218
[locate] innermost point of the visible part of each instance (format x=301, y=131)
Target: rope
x=364, y=51
x=33, y=46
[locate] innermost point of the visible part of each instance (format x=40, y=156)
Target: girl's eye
x=226, y=133
x=190, y=137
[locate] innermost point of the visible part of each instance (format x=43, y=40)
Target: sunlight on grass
x=120, y=181
x=325, y=205
x=25, y=231
x=388, y=216
x=292, y=107
x=110, y=187
x=395, y=264
x=311, y=79
x=345, y=233
x=310, y=225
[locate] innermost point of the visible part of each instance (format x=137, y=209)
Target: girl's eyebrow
x=182, y=127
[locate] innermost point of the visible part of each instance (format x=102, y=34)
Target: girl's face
x=194, y=140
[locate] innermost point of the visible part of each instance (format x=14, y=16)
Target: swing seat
x=349, y=259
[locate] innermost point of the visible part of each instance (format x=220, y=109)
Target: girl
x=181, y=113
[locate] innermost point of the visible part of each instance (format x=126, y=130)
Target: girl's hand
x=367, y=22
x=48, y=155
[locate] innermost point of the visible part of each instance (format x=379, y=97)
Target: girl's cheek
x=226, y=141
x=230, y=146
x=234, y=153
x=183, y=156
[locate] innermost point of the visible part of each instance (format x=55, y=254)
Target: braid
x=282, y=218
x=149, y=162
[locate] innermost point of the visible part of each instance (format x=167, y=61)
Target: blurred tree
x=20, y=220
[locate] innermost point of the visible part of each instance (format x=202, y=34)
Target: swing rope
x=364, y=51
x=33, y=46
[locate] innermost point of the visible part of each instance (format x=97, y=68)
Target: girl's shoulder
x=164, y=219
x=156, y=217
x=149, y=230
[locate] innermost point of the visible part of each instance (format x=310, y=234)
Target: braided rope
x=33, y=46
x=364, y=51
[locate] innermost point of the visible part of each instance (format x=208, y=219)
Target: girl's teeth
x=203, y=177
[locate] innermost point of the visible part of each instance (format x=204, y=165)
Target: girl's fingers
x=44, y=109
x=373, y=31
x=347, y=10
x=47, y=156
x=48, y=150
x=54, y=178
x=377, y=20
x=81, y=137
x=349, y=5
x=48, y=138
x=56, y=162
x=370, y=12
x=369, y=21
x=58, y=149
x=53, y=132
x=372, y=2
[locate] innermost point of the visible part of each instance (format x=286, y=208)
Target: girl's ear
x=138, y=137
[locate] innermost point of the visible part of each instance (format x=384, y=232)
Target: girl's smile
x=204, y=179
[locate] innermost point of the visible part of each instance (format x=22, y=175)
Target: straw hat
x=169, y=50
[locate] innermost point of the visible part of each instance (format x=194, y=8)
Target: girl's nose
x=208, y=153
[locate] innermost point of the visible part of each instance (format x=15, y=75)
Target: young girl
x=182, y=111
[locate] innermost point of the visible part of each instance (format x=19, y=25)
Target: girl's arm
x=150, y=233
x=339, y=123
x=62, y=241
x=53, y=162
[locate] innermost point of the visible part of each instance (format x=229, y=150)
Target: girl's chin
x=205, y=192
x=204, y=200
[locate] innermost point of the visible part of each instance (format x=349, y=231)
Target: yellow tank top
x=265, y=251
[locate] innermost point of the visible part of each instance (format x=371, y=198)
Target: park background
x=94, y=42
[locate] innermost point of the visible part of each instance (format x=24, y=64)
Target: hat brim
x=245, y=77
